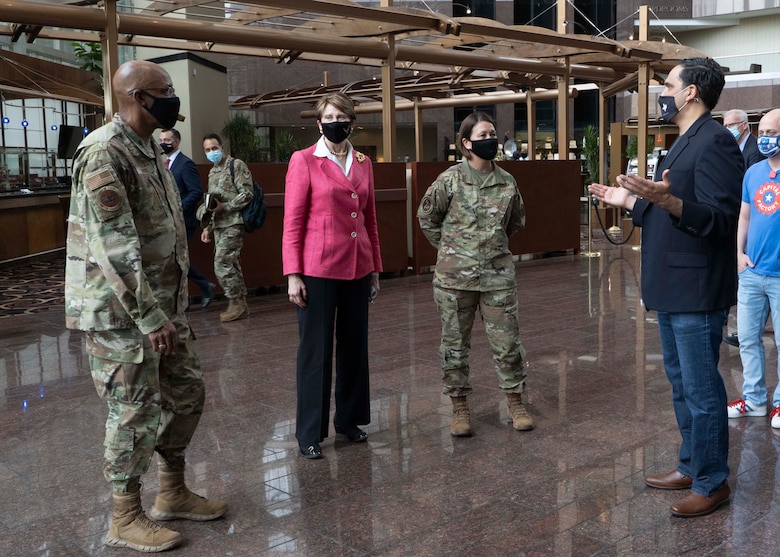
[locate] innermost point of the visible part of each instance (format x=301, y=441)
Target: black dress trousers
x=337, y=307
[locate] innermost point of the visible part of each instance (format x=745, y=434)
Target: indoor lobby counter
x=32, y=223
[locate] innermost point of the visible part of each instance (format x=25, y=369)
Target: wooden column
x=418, y=131
x=642, y=96
x=531, y=118
x=565, y=15
x=109, y=43
x=388, y=96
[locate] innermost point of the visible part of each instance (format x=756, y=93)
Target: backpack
x=255, y=211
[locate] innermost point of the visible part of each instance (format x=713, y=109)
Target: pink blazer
x=330, y=228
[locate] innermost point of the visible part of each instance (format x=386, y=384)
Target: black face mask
x=165, y=110
x=336, y=132
x=167, y=148
x=485, y=149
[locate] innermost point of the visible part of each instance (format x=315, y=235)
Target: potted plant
x=240, y=133
x=590, y=152
x=285, y=145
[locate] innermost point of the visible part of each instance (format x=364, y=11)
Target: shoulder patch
x=427, y=205
x=101, y=177
x=109, y=198
x=360, y=156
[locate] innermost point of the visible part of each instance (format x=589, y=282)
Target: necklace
x=342, y=154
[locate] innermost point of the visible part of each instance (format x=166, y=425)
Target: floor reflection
x=571, y=487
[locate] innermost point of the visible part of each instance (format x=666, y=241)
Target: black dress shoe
x=311, y=451
x=732, y=340
x=207, y=296
x=353, y=433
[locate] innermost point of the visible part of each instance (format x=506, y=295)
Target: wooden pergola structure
x=424, y=56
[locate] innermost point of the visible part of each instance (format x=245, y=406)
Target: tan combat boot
x=521, y=419
x=237, y=308
x=176, y=501
x=461, y=418
x=131, y=528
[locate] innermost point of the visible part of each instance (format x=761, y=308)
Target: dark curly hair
x=707, y=75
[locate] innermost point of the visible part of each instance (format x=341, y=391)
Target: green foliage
x=632, y=146
x=590, y=151
x=285, y=145
x=90, y=57
x=239, y=132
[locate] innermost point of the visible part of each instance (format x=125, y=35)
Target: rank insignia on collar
x=360, y=156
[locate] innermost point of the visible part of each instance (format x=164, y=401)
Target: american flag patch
x=100, y=178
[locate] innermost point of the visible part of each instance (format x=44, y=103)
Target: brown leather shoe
x=670, y=480
x=699, y=505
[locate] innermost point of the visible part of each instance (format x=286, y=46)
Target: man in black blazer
x=689, y=272
x=736, y=121
x=185, y=172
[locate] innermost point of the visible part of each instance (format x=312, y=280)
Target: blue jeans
x=756, y=295
x=691, y=347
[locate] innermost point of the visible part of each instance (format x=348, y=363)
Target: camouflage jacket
x=234, y=194
x=127, y=246
x=469, y=220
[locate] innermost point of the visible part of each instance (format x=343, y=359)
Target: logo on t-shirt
x=767, y=198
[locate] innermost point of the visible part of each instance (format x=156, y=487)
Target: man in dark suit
x=736, y=121
x=191, y=190
x=689, y=274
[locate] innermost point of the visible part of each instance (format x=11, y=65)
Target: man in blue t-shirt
x=758, y=265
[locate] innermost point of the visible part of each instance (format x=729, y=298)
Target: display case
x=32, y=168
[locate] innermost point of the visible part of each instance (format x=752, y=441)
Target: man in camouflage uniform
x=468, y=215
x=125, y=286
x=230, y=190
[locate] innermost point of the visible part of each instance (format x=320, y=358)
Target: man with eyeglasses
x=758, y=265
x=126, y=287
x=736, y=121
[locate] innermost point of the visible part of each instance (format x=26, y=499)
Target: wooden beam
x=642, y=96
x=110, y=46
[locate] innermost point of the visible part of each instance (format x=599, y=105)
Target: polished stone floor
x=571, y=487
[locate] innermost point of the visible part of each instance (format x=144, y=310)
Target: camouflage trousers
x=498, y=308
x=228, y=242
x=154, y=402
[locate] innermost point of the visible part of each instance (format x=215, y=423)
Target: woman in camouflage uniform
x=468, y=215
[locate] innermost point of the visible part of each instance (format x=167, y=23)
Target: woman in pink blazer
x=331, y=257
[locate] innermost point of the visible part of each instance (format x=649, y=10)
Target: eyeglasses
x=166, y=91
x=734, y=125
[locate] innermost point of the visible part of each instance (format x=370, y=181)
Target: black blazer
x=750, y=153
x=185, y=172
x=690, y=264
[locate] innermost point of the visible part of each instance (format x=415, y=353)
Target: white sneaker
x=741, y=409
x=775, y=417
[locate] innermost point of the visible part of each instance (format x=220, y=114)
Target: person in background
x=332, y=260
x=736, y=121
x=689, y=230
x=758, y=265
x=191, y=191
x=229, y=191
x=126, y=287
x=468, y=215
